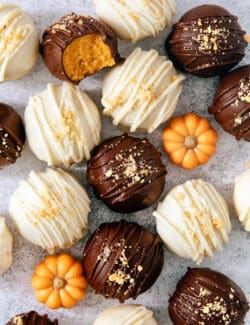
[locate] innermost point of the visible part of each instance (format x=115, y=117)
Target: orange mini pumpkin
x=189, y=141
x=58, y=281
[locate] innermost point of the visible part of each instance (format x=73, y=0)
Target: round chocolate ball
x=78, y=46
x=204, y=296
x=12, y=135
x=31, y=318
x=231, y=103
x=127, y=173
x=122, y=260
x=207, y=41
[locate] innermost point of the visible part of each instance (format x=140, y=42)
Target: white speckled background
x=16, y=294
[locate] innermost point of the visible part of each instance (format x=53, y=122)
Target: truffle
x=143, y=92
x=122, y=260
x=6, y=245
x=50, y=209
x=62, y=125
x=19, y=42
x=231, y=104
x=241, y=198
x=136, y=20
x=207, y=297
x=31, y=318
x=78, y=46
x=207, y=41
x=193, y=220
x=127, y=173
x=12, y=135
x=126, y=314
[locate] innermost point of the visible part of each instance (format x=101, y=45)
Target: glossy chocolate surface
x=12, y=135
x=122, y=260
x=127, y=173
x=31, y=318
x=70, y=27
x=231, y=104
x=207, y=297
x=207, y=41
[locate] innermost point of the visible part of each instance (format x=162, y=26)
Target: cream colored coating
x=6, y=244
x=62, y=125
x=50, y=209
x=143, y=92
x=137, y=19
x=193, y=220
x=126, y=315
x=19, y=42
x=241, y=198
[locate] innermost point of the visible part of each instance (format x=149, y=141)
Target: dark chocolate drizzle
x=122, y=260
x=31, y=318
x=231, y=104
x=12, y=135
x=207, y=297
x=127, y=173
x=207, y=41
x=70, y=27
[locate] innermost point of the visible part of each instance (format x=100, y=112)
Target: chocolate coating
x=70, y=27
x=122, y=260
x=12, y=135
x=207, y=297
x=231, y=104
x=127, y=173
x=207, y=41
x=31, y=318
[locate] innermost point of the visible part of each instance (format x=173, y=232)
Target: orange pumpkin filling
x=86, y=55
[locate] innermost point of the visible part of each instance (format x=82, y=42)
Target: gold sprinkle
x=139, y=268
x=246, y=38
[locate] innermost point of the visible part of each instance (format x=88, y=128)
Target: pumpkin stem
x=190, y=142
x=59, y=283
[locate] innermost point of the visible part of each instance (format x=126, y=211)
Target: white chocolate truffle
x=19, y=42
x=193, y=220
x=126, y=315
x=62, y=125
x=241, y=198
x=143, y=92
x=134, y=20
x=6, y=244
x=50, y=209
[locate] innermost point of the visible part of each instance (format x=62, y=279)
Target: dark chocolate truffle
x=122, y=260
x=207, y=297
x=127, y=173
x=231, y=104
x=77, y=46
x=12, y=135
x=31, y=318
x=207, y=41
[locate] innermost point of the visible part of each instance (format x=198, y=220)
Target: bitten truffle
x=231, y=104
x=19, y=42
x=122, y=260
x=31, y=318
x=78, y=46
x=207, y=297
x=12, y=135
x=207, y=41
x=136, y=20
x=127, y=173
